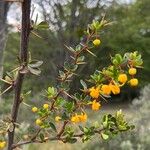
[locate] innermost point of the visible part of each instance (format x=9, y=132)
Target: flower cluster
x=45, y=108
x=105, y=89
x=110, y=80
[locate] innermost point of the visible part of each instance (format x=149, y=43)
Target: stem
x=25, y=30
x=63, y=139
x=62, y=129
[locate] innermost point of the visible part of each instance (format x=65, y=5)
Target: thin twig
x=62, y=129
x=79, y=135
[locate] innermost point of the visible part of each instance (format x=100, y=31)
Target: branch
x=63, y=139
x=25, y=30
x=32, y=141
x=62, y=129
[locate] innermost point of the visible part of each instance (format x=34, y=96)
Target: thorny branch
x=25, y=31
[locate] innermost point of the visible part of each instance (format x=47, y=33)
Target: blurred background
x=67, y=19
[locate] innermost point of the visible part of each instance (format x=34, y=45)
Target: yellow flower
x=95, y=105
x=79, y=118
x=45, y=106
x=122, y=78
x=38, y=122
x=96, y=42
x=34, y=109
x=132, y=71
x=134, y=82
x=2, y=144
x=115, y=89
x=106, y=90
x=94, y=92
x=83, y=117
x=75, y=119
x=57, y=118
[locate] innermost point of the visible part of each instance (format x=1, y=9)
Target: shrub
x=63, y=115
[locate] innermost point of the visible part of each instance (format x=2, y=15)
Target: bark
x=3, y=33
x=23, y=57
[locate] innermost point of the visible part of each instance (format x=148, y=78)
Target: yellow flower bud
x=96, y=42
x=2, y=144
x=132, y=71
x=34, y=109
x=38, y=122
x=134, y=82
x=122, y=78
x=45, y=106
x=57, y=118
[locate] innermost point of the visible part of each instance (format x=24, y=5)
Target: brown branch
x=32, y=141
x=80, y=135
x=62, y=129
x=23, y=57
x=55, y=98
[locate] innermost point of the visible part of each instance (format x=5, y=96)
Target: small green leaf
x=83, y=84
x=42, y=136
x=52, y=126
x=96, y=124
x=104, y=136
x=51, y=91
x=81, y=128
x=59, y=101
x=69, y=106
x=72, y=140
x=115, y=62
x=81, y=58
x=35, y=64
x=64, y=116
x=34, y=71
x=62, y=74
x=86, y=130
x=78, y=48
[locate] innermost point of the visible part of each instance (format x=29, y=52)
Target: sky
x=14, y=15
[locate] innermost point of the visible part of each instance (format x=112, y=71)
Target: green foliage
x=51, y=92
